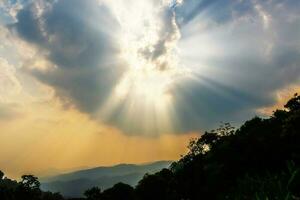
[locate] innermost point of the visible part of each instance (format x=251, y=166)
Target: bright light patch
x=148, y=46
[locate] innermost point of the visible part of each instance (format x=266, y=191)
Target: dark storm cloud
x=78, y=37
x=27, y=26
x=201, y=107
x=245, y=75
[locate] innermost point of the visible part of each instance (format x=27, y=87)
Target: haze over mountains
x=75, y=183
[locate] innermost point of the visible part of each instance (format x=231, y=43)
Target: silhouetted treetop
x=1, y=175
x=93, y=194
x=30, y=181
x=294, y=103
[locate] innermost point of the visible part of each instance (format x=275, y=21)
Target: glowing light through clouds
x=148, y=40
x=149, y=67
x=134, y=80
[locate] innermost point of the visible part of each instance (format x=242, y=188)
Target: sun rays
x=148, y=41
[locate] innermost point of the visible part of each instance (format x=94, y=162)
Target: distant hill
x=75, y=183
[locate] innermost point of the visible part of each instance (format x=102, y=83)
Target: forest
x=260, y=160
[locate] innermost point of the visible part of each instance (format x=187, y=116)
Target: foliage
x=1, y=175
x=161, y=185
x=93, y=194
x=27, y=189
x=30, y=182
x=283, y=185
x=119, y=191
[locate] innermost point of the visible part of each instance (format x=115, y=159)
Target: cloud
x=168, y=36
x=237, y=55
x=282, y=96
x=78, y=38
x=9, y=83
x=10, y=87
x=241, y=59
x=221, y=11
x=9, y=10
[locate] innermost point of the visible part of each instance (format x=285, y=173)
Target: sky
x=102, y=82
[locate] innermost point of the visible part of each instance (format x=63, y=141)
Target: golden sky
x=47, y=139
x=101, y=82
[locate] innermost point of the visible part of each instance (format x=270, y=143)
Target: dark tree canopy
x=27, y=189
x=119, y=191
x=1, y=175
x=294, y=103
x=30, y=182
x=93, y=194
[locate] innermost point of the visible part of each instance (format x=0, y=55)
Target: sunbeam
x=148, y=40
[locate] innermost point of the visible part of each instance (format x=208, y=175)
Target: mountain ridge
x=73, y=184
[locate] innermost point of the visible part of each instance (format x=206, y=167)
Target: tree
x=26, y=189
x=294, y=103
x=209, y=139
x=30, y=182
x=161, y=185
x=93, y=194
x=51, y=196
x=119, y=191
x=1, y=175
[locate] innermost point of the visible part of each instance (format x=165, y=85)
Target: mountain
x=75, y=183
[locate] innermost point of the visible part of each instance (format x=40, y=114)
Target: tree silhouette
x=30, y=182
x=119, y=191
x=1, y=175
x=161, y=185
x=93, y=194
x=294, y=103
x=26, y=189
